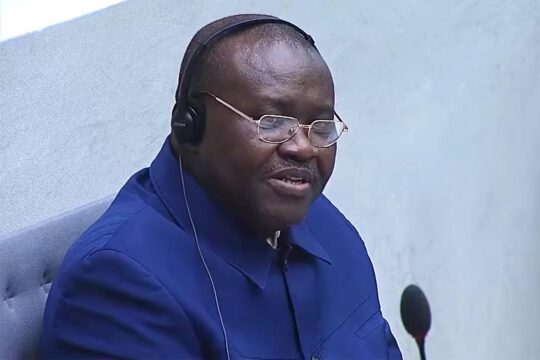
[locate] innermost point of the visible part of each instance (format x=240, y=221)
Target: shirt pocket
x=375, y=321
x=364, y=335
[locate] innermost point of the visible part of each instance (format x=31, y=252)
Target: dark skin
x=231, y=162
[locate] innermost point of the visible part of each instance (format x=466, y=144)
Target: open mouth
x=292, y=182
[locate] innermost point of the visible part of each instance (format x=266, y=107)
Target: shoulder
x=119, y=221
x=138, y=227
x=120, y=259
x=135, y=221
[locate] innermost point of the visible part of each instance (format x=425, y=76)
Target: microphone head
x=415, y=312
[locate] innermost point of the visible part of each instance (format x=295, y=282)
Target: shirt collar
x=215, y=228
x=301, y=236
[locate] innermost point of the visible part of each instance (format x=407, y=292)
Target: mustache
x=309, y=166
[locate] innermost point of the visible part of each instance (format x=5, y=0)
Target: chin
x=281, y=217
x=276, y=212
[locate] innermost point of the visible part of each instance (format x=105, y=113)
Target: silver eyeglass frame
x=299, y=125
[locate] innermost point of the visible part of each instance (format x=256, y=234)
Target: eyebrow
x=284, y=104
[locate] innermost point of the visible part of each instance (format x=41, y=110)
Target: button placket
x=285, y=263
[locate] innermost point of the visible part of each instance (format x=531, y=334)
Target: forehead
x=274, y=71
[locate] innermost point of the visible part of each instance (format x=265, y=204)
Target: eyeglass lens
x=281, y=128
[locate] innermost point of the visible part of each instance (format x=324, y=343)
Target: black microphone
x=416, y=315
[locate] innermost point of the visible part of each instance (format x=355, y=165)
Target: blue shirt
x=134, y=285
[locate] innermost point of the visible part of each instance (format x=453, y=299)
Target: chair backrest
x=28, y=262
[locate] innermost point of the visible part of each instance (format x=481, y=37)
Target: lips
x=292, y=182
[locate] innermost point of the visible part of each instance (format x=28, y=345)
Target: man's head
x=262, y=69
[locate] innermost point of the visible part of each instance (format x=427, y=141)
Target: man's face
x=258, y=181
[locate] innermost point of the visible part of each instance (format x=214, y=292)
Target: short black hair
x=212, y=57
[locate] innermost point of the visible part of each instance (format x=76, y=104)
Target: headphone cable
x=204, y=261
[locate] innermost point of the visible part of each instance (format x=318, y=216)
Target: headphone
x=187, y=121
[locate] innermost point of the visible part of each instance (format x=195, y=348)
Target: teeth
x=293, y=180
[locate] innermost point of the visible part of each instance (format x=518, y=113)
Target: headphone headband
x=185, y=77
x=188, y=126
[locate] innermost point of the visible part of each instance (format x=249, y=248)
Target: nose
x=298, y=147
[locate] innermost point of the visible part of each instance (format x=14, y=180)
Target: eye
x=269, y=122
x=323, y=127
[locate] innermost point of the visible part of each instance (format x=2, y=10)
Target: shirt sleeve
x=109, y=306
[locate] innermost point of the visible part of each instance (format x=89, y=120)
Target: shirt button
x=315, y=357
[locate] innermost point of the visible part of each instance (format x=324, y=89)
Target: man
x=225, y=247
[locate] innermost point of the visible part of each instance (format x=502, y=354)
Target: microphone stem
x=420, y=343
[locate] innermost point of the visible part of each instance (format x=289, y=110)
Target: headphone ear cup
x=197, y=121
x=182, y=125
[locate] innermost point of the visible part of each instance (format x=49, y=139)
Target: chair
x=29, y=259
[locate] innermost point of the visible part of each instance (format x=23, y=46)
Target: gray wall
x=439, y=172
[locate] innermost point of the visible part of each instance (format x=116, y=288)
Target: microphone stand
x=420, y=343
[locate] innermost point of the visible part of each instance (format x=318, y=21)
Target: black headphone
x=188, y=122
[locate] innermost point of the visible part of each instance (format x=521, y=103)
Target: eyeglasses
x=277, y=129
